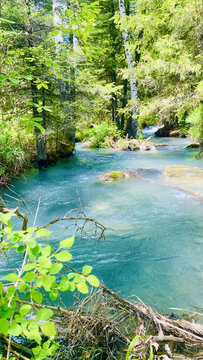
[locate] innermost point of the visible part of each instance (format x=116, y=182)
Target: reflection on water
x=155, y=250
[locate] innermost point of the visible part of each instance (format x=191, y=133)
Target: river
x=155, y=249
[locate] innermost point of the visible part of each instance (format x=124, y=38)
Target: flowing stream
x=156, y=248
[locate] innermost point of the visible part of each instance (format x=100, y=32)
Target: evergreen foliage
x=64, y=66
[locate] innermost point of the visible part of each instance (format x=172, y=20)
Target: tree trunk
x=112, y=29
x=132, y=128
x=124, y=102
x=57, y=20
x=201, y=131
x=40, y=138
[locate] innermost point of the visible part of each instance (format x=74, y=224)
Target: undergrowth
x=103, y=134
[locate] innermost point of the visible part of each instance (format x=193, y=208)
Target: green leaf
x=33, y=326
x=15, y=329
x=56, y=65
x=86, y=270
x=35, y=335
x=46, y=251
x=21, y=248
x=7, y=21
x=4, y=326
x=31, y=243
x=25, y=309
x=132, y=344
x=37, y=296
x=71, y=275
x=10, y=291
x=48, y=62
x=2, y=77
x=44, y=262
x=22, y=287
x=11, y=277
x=30, y=276
x=64, y=285
x=48, y=329
x=55, y=32
x=92, y=280
x=47, y=281
x=56, y=268
x=37, y=119
x=43, y=233
x=44, y=314
x=28, y=267
x=4, y=218
x=30, y=128
x=151, y=353
x=53, y=294
x=67, y=242
x=14, y=81
x=82, y=287
x=63, y=256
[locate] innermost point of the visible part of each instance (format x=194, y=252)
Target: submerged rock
x=113, y=176
x=184, y=174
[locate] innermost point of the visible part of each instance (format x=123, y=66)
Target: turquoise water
x=156, y=248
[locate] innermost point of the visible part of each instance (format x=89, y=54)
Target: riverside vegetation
x=98, y=71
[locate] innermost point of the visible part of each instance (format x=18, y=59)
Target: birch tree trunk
x=132, y=130
x=57, y=20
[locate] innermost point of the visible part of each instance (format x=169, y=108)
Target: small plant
x=23, y=311
x=103, y=134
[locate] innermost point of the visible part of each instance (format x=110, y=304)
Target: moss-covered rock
x=63, y=149
x=113, y=176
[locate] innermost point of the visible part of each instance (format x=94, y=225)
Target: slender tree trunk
x=112, y=29
x=124, y=102
x=67, y=90
x=40, y=138
x=132, y=129
x=57, y=20
x=201, y=132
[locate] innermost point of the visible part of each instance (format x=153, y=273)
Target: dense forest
x=81, y=81
x=100, y=69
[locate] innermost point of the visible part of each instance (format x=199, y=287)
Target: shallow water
x=156, y=248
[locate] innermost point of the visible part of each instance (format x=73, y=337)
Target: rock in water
x=113, y=176
x=184, y=174
x=193, y=146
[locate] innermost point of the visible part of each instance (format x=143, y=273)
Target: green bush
x=103, y=134
x=15, y=148
x=42, y=273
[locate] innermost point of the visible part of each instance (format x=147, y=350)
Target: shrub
x=103, y=134
x=23, y=311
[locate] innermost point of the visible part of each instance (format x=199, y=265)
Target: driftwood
x=105, y=322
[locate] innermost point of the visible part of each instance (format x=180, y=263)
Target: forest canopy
x=68, y=66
